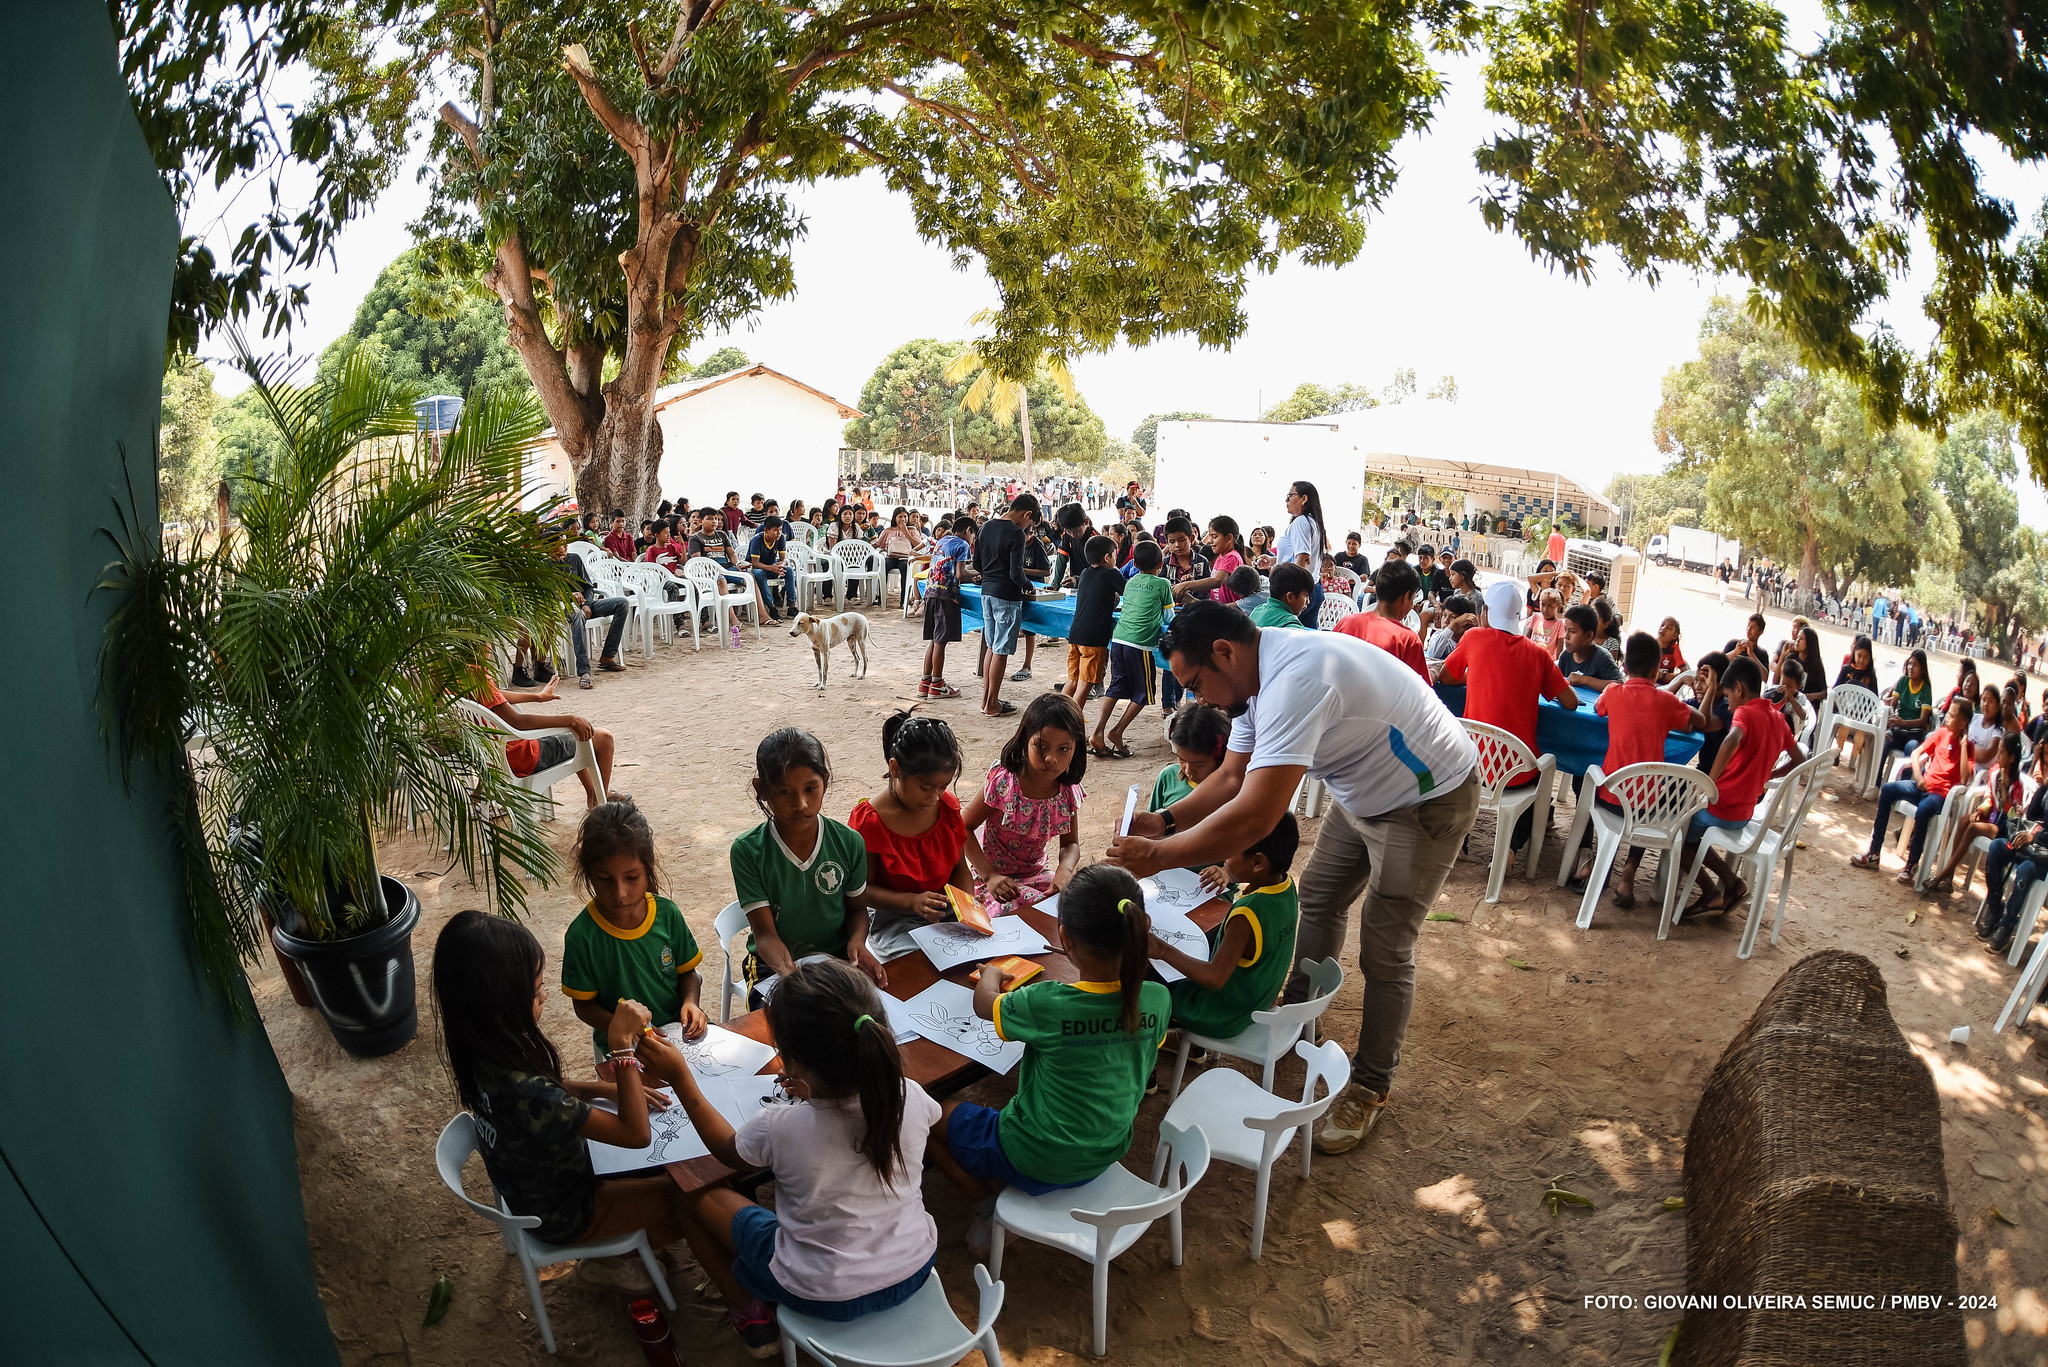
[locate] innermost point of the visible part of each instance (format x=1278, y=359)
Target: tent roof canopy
x=1431, y=441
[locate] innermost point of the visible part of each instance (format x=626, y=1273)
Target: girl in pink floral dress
x=1032, y=796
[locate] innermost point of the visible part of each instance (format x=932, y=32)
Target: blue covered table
x=1578, y=739
x=1042, y=617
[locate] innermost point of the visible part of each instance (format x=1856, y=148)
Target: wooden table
x=934, y=1067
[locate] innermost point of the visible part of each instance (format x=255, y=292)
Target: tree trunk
x=620, y=469
x=1024, y=426
x=1809, y=571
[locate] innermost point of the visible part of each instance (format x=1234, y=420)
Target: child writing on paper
x=490, y=984
x=1089, y=1048
x=799, y=876
x=1031, y=797
x=629, y=940
x=1251, y=950
x=1198, y=734
x=849, y=1234
x=915, y=838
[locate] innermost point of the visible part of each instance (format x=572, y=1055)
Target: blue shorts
x=753, y=1237
x=1132, y=674
x=1704, y=820
x=1000, y=620
x=972, y=1139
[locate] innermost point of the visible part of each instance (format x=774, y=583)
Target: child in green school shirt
x=1132, y=677
x=629, y=942
x=1291, y=588
x=1251, y=950
x=797, y=875
x=1089, y=1049
x=1199, y=735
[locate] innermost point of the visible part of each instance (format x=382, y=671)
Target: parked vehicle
x=1695, y=549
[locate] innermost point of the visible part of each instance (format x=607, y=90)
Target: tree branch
x=966, y=123
x=463, y=125
x=624, y=128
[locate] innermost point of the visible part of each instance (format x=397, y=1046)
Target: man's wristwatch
x=1166, y=815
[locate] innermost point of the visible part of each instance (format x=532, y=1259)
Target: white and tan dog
x=826, y=632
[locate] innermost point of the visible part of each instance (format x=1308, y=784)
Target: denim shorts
x=973, y=1138
x=1703, y=820
x=1000, y=620
x=753, y=1237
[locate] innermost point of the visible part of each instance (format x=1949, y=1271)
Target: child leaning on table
x=1031, y=798
x=849, y=1235
x=915, y=837
x=1089, y=1048
x=1251, y=950
x=1199, y=734
x=628, y=941
x=799, y=876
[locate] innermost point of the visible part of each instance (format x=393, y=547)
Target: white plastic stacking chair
x=913, y=592
x=1309, y=795
x=1934, y=850
x=653, y=609
x=1766, y=844
x=1657, y=805
x=2034, y=976
x=540, y=781
x=857, y=566
x=1098, y=1220
x=731, y=923
x=1272, y=1033
x=1333, y=611
x=1502, y=759
x=1853, y=708
x=812, y=570
x=720, y=588
x=1248, y=1126
x=452, y=1150
x=588, y=551
x=921, y=1332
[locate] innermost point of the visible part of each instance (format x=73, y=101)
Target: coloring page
x=1173, y=890
x=944, y=1014
x=675, y=1140
x=900, y=1023
x=719, y=1052
x=1184, y=935
x=948, y=946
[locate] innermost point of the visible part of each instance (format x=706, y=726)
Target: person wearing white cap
x=1401, y=775
x=1506, y=676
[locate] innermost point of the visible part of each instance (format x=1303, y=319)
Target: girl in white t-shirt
x=849, y=1234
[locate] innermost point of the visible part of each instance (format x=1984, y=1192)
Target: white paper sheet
x=1173, y=892
x=719, y=1052
x=899, y=1019
x=1184, y=935
x=950, y=945
x=737, y=1097
x=1130, y=810
x=944, y=1014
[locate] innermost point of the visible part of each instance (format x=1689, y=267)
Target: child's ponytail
x=829, y=1019
x=1104, y=908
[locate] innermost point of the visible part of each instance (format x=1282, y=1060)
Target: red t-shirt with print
x=1944, y=753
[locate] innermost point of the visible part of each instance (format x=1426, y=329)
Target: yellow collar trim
x=1280, y=886
x=1100, y=987
x=608, y=928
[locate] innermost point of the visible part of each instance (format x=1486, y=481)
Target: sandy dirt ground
x=1429, y=1244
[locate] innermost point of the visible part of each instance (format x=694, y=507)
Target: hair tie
x=1123, y=908
x=859, y=1021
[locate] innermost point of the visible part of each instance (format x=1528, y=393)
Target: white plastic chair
x=1657, y=805
x=589, y=552
x=1333, y=611
x=1272, y=1033
x=1248, y=1126
x=812, y=570
x=1098, y=1220
x=1767, y=843
x=452, y=1150
x=715, y=589
x=1933, y=850
x=2027, y=990
x=540, y=781
x=856, y=566
x=1309, y=796
x=921, y=1332
x=2030, y=915
x=1502, y=758
x=1853, y=708
x=731, y=922
x=652, y=607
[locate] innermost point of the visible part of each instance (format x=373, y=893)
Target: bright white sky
x=1568, y=374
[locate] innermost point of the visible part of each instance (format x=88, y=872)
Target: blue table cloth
x=1042, y=617
x=1578, y=739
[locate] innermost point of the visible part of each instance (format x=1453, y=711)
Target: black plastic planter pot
x=363, y=984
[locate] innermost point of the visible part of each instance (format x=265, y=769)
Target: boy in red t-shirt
x=1639, y=715
x=1394, y=587
x=1670, y=659
x=1941, y=762
x=1743, y=769
x=530, y=756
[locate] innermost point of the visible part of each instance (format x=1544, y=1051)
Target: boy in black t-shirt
x=1101, y=585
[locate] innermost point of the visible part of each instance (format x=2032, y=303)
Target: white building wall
x=756, y=434
x=1244, y=469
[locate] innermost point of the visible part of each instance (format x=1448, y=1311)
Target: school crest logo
x=668, y=959
x=829, y=878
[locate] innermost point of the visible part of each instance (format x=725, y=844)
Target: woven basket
x=1813, y=1168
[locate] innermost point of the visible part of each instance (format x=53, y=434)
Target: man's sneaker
x=542, y=672
x=583, y=681
x=522, y=679
x=1350, y=1120
x=624, y=1273
x=757, y=1330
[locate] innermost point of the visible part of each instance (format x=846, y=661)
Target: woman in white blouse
x=1305, y=540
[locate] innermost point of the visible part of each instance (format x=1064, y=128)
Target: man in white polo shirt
x=1400, y=772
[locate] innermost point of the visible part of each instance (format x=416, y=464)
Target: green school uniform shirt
x=1167, y=789
x=807, y=896
x=1146, y=599
x=1274, y=613
x=1082, y=1077
x=602, y=963
x=1255, y=983
x=1910, y=702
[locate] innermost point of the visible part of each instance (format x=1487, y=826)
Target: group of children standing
x=828, y=906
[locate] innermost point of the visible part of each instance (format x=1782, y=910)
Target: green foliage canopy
x=907, y=403
x=441, y=334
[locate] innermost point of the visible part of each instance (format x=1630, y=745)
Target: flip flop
x=1120, y=751
x=1004, y=707
x=1101, y=751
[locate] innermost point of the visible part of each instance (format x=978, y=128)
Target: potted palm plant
x=297, y=675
